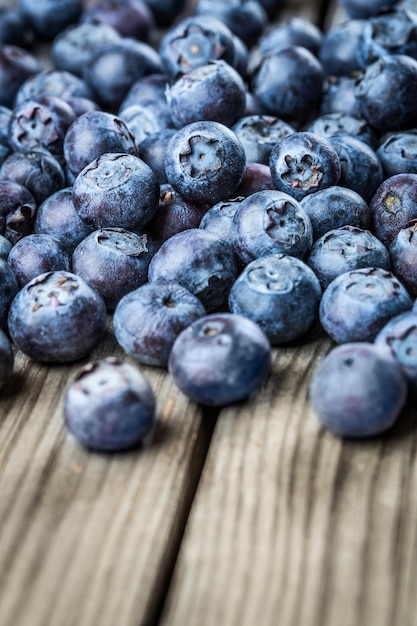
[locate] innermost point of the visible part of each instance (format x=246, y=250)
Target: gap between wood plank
x=158, y=596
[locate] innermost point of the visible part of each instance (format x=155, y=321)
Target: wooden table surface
x=252, y=514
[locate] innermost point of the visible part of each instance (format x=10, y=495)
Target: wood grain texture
x=88, y=538
x=292, y=526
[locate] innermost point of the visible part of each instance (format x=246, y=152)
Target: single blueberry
x=339, y=47
x=200, y=261
x=40, y=172
x=393, y=205
x=109, y=406
x=399, y=337
x=114, y=261
x=56, y=216
x=270, y=222
x=346, y=248
x=398, y=153
x=334, y=207
x=57, y=317
x=357, y=304
x=75, y=45
x=6, y=359
x=173, y=215
x=280, y=293
x=358, y=390
x=8, y=290
x=304, y=163
x=93, y=134
x=205, y=162
x=17, y=210
x=289, y=83
x=116, y=190
x=387, y=93
x=403, y=253
x=361, y=169
x=259, y=134
x=36, y=254
x=220, y=359
x=215, y=91
x=149, y=319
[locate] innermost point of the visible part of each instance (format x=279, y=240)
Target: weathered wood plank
x=88, y=538
x=293, y=526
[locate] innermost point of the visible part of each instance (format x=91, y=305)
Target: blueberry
x=403, y=253
x=111, y=72
x=94, y=134
x=220, y=359
x=259, y=134
x=361, y=169
x=56, y=216
x=245, y=18
x=289, y=83
x=339, y=47
x=57, y=317
x=6, y=359
x=335, y=207
x=387, y=93
x=109, y=406
x=8, y=290
x=143, y=121
x=295, y=31
x=152, y=150
x=393, y=205
x=256, y=177
x=333, y=124
x=271, y=222
x=148, y=320
x=53, y=82
x=17, y=210
x=130, y=18
x=14, y=28
x=149, y=91
x=114, y=261
x=50, y=17
x=5, y=147
x=393, y=31
x=205, y=162
x=343, y=249
x=280, y=293
x=16, y=66
x=36, y=254
x=195, y=41
x=214, y=91
x=358, y=390
x=75, y=45
x=5, y=247
x=219, y=218
x=398, y=153
x=116, y=190
x=200, y=261
x=304, y=163
x=340, y=95
x=41, y=173
x=357, y=304
x=399, y=337
x=40, y=125
x=173, y=215
x=357, y=9
x=165, y=11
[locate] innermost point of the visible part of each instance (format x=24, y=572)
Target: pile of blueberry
x=218, y=181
